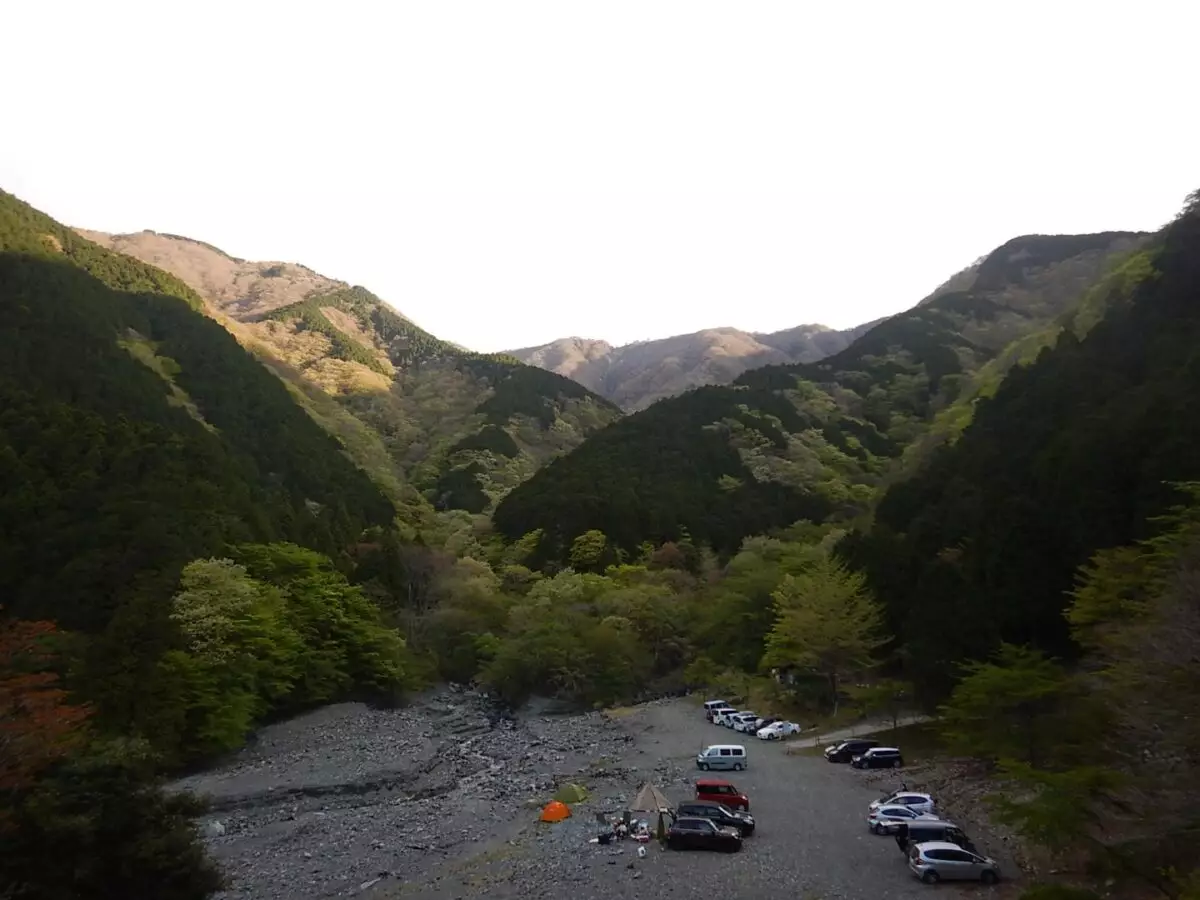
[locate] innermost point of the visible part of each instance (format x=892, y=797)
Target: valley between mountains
x=254, y=520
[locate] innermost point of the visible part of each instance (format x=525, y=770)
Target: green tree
x=240, y=655
x=826, y=623
x=590, y=552
x=1009, y=707
x=103, y=827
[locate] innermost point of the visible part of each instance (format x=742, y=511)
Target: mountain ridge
x=637, y=374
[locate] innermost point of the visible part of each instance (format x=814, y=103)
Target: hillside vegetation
x=417, y=412
x=721, y=463
x=1072, y=453
x=141, y=446
x=636, y=375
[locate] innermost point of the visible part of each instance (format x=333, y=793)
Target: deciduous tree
x=826, y=623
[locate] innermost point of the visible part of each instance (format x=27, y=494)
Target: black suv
x=719, y=813
x=878, y=758
x=918, y=832
x=847, y=750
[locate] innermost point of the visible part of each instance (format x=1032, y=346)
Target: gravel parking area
x=434, y=803
x=811, y=839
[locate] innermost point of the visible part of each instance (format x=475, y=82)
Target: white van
x=722, y=756
x=712, y=706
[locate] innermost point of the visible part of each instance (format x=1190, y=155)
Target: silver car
x=934, y=861
x=883, y=819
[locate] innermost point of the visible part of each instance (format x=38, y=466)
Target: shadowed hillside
x=723, y=463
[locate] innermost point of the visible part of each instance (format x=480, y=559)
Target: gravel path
x=433, y=803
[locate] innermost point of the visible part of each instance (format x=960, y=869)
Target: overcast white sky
x=509, y=172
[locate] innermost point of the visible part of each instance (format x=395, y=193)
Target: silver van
x=722, y=756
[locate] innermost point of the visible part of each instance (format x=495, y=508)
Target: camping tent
x=570, y=793
x=555, y=811
x=650, y=799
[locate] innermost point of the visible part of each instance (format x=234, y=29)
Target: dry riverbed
x=439, y=801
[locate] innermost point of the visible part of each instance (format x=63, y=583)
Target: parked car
x=879, y=758
x=745, y=723
x=722, y=716
x=765, y=721
x=715, y=715
x=692, y=833
x=920, y=831
x=719, y=813
x=710, y=706
x=845, y=751
x=722, y=756
x=716, y=790
x=915, y=801
x=885, y=818
x=732, y=720
x=934, y=861
x=777, y=731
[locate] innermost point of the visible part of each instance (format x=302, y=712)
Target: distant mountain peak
x=636, y=374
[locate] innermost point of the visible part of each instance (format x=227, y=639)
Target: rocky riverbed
x=347, y=797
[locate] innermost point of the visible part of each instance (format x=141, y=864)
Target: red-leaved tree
x=38, y=726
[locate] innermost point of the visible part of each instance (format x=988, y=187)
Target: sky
x=508, y=173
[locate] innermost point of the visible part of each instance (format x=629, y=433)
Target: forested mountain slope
x=136, y=434
x=724, y=462
x=1073, y=453
x=635, y=375
x=461, y=427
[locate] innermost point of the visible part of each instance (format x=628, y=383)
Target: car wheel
x=876, y=829
x=930, y=877
x=897, y=764
x=988, y=877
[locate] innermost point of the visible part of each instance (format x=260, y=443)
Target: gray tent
x=650, y=799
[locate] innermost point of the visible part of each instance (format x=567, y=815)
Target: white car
x=744, y=722
x=778, y=731
x=917, y=802
x=723, y=717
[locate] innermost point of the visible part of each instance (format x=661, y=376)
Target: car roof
x=712, y=782
x=884, y=750
x=932, y=823
x=911, y=794
x=938, y=845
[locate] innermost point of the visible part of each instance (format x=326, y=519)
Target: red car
x=714, y=790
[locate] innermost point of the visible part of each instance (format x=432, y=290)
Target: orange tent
x=555, y=811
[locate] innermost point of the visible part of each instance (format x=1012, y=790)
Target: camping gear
x=555, y=811
x=571, y=793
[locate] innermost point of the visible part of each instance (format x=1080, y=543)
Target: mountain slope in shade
x=136, y=435
x=462, y=428
x=808, y=440
x=635, y=375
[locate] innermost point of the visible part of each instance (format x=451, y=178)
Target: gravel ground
x=433, y=803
